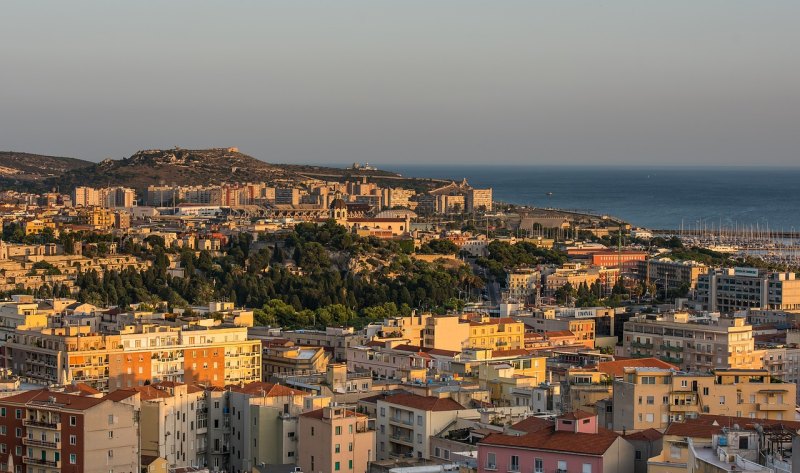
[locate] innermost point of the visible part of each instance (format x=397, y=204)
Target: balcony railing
x=670, y=359
x=401, y=421
x=39, y=461
x=41, y=424
x=641, y=345
x=40, y=443
x=401, y=438
x=671, y=348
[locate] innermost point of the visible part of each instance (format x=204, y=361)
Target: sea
x=764, y=199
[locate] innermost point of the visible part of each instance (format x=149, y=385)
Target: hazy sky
x=429, y=81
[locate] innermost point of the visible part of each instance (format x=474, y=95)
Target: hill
x=31, y=171
x=35, y=173
x=177, y=166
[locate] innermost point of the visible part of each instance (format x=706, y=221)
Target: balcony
x=402, y=438
x=398, y=420
x=671, y=348
x=41, y=443
x=641, y=345
x=764, y=406
x=41, y=424
x=683, y=407
x=40, y=462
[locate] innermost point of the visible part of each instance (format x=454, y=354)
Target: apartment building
x=334, y=439
x=617, y=259
x=583, y=328
x=263, y=425
x=648, y=397
x=576, y=274
x=446, y=332
x=42, y=430
x=397, y=360
x=670, y=275
x=135, y=355
x=405, y=422
x=288, y=359
x=174, y=422
x=503, y=333
x=335, y=339
x=523, y=285
x=692, y=343
x=733, y=289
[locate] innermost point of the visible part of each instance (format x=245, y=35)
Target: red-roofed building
x=334, y=439
x=574, y=443
x=42, y=430
x=405, y=422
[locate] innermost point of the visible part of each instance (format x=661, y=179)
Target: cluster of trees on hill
x=305, y=279
x=504, y=256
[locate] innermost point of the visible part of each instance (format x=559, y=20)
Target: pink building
x=573, y=444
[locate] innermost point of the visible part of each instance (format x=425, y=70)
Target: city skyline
x=452, y=83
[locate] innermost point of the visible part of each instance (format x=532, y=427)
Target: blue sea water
x=658, y=198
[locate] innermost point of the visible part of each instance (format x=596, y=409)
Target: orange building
x=615, y=259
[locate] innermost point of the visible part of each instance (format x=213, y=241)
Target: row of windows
x=538, y=464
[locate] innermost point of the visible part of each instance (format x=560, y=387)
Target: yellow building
x=653, y=398
x=501, y=378
x=446, y=333
x=496, y=333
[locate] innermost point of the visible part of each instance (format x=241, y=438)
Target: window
x=111, y=454
x=648, y=418
x=73, y=459
x=651, y=400
x=2, y=411
x=111, y=434
x=437, y=452
x=383, y=412
x=587, y=468
x=350, y=447
x=336, y=466
x=73, y=421
x=350, y=464
x=638, y=455
x=491, y=461
x=3, y=430
x=338, y=430
x=312, y=431
x=514, y=464
x=337, y=448
x=743, y=443
x=419, y=420
x=684, y=383
x=722, y=400
x=562, y=465
x=538, y=465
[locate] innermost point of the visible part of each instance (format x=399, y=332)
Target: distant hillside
x=30, y=171
x=177, y=166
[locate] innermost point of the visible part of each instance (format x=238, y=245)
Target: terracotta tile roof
x=576, y=415
x=549, y=439
x=424, y=403
x=559, y=333
x=82, y=389
x=120, y=394
x=148, y=393
x=425, y=350
x=693, y=429
x=745, y=422
x=532, y=424
x=616, y=368
x=383, y=395
x=648, y=435
x=261, y=389
x=68, y=401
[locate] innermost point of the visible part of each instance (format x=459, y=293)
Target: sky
x=711, y=82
